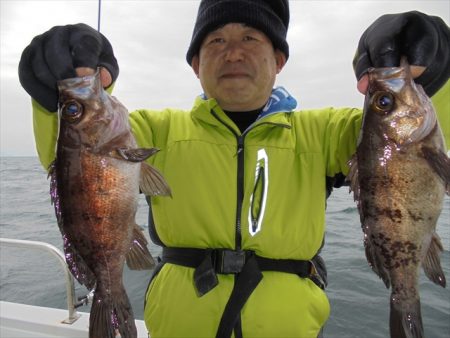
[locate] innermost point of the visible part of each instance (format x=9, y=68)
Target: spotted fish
x=95, y=183
x=399, y=176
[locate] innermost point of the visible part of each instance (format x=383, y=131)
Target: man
x=249, y=175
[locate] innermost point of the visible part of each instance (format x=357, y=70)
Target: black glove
x=423, y=39
x=54, y=55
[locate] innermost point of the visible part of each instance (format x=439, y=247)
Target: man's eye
x=217, y=40
x=249, y=38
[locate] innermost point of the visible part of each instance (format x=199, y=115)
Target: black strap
x=231, y=261
x=247, y=267
x=190, y=257
x=246, y=282
x=298, y=267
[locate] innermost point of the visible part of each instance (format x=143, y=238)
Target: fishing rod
x=99, y=14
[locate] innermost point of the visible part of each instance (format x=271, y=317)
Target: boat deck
x=25, y=321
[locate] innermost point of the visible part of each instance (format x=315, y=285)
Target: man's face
x=237, y=66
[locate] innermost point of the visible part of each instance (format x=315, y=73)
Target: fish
x=95, y=181
x=399, y=176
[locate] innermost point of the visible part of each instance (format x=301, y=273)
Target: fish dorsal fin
x=77, y=266
x=440, y=163
x=74, y=261
x=138, y=257
x=352, y=177
x=372, y=257
x=374, y=260
x=432, y=262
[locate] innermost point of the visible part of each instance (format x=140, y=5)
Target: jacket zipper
x=240, y=174
x=240, y=180
x=240, y=190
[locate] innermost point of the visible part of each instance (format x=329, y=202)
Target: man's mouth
x=234, y=75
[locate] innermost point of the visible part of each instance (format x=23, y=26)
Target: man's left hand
x=423, y=39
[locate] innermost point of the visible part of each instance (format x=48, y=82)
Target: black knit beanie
x=269, y=16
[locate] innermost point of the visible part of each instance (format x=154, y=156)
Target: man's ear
x=280, y=59
x=195, y=64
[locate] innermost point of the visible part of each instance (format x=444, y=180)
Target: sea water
x=359, y=299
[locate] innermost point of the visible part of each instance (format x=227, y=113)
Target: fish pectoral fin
x=136, y=154
x=152, y=183
x=440, y=163
x=138, y=257
x=432, y=263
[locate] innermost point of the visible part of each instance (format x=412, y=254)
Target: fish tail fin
x=138, y=257
x=111, y=316
x=406, y=322
x=432, y=263
x=152, y=183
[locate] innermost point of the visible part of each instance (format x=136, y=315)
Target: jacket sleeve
x=45, y=127
x=341, y=137
x=141, y=128
x=441, y=102
x=151, y=129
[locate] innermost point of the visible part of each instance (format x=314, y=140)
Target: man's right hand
x=64, y=52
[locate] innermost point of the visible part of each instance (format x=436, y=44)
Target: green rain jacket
x=279, y=166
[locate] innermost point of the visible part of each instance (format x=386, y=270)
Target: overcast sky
x=150, y=39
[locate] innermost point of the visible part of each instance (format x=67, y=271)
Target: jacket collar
x=279, y=102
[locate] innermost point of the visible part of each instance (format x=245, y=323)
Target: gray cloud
x=150, y=39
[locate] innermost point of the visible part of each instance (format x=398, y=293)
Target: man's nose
x=234, y=52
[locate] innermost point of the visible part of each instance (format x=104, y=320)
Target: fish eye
x=71, y=110
x=383, y=101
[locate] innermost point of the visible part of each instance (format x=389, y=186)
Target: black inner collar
x=243, y=119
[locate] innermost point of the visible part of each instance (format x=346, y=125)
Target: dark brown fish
x=95, y=182
x=399, y=176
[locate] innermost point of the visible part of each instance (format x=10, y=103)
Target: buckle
x=229, y=261
x=318, y=272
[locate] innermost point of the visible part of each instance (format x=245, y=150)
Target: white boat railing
x=70, y=286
